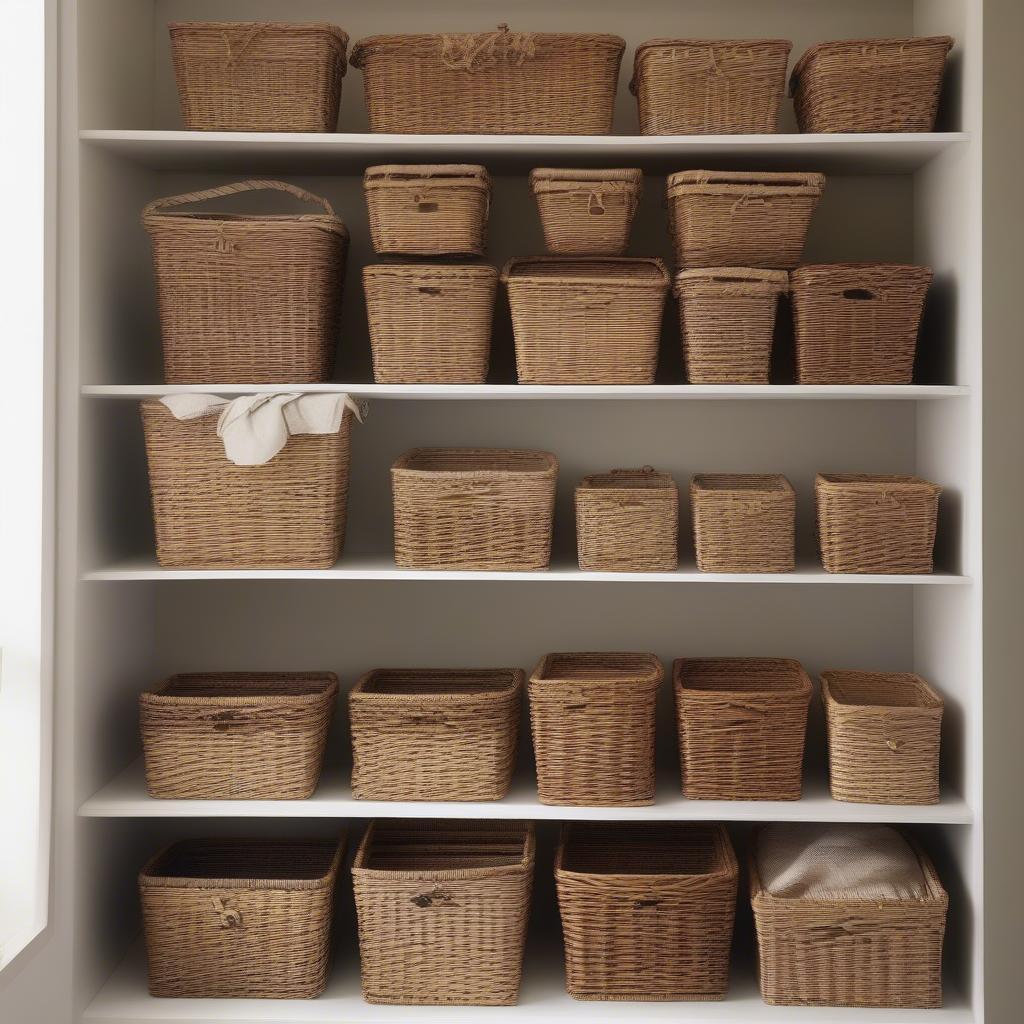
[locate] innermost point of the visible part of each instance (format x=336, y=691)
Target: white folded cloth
x=255, y=428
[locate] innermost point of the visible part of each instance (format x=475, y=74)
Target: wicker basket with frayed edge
x=428, y=209
x=870, y=85
x=434, y=734
x=593, y=320
x=586, y=212
x=882, y=524
x=240, y=76
x=647, y=910
x=592, y=716
x=883, y=737
x=495, y=83
x=628, y=521
x=430, y=324
x=240, y=918
x=742, y=723
x=727, y=320
x=474, y=508
x=709, y=86
x=247, y=298
x=237, y=735
x=443, y=908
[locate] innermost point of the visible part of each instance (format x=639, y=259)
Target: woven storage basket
x=430, y=324
x=870, y=85
x=709, y=86
x=628, y=521
x=883, y=737
x=741, y=723
x=743, y=522
x=593, y=728
x=586, y=212
x=741, y=218
x=237, y=735
x=882, y=524
x=209, y=513
x=443, y=908
x=586, y=321
x=857, y=323
x=492, y=83
x=474, y=508
x=247, y=298
x=727, y=320
x=434, y=734
x=647, y=911
x=428, y=209
x=240, y=918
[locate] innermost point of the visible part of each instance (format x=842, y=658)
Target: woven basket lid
x=619, y=271
x=852, y=274
x=745, y=182
x=475, y=462
x=401, y=175
x=565, y=179
x=874, y=482
x=862, y=47
x=645, y=478
x=732, y=280
x=259, y=28
x=439, y=272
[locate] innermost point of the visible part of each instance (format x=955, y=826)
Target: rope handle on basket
x=229, y=917
x=236, y=187
x=463, y=51
x=258, y=28
x=642, y=469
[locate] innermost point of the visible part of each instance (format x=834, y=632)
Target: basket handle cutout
x=595, y=205
x=860, y=294
x=430, y=899
x=235, y=188
x=423, y=206
x=645, y=904
x=428, y=290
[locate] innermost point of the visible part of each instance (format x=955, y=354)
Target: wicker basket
x=491, y=83
x=628, y=521
x=430, y=324
x=743, y=522
x=586, y=212
x=647, y=911
x=242, y=76
x=742, y=723
x=247, y=299
x=237, y=735
x=727, y=320
x=443, y=908
x=474, y=508
x=741, y=218
x=883, y=737
x=880, y=524
x=870, y=85
x=593, y=728
x=209, y=513
x=428, y=209
x=586, y=321
x=709, y=86
x=240, y=918
x=857, y=323
x=434, y=734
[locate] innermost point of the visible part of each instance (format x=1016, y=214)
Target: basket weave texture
x=240, y=918
x=870, y=85
x=247, y=298
x=709, y=86
x=239, y=76
x=647, y=911
x=592, y=716
x=209, y=513
x=237, y=735
x=883, y=737
x=494, y=83
x=434, y=734
x=742, y=723
x=443, y=908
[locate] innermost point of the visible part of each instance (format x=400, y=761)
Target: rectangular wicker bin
x=647, y=910
x=240, y=918
x=628, y=521
x=492, y=83
x=592, y=716
x=434, y=734
x=443, y=908
x=742, y=723
x=474, y=508
x=247, y=298
x=593, y=320
x=883, y=737
x=237, y=735
x=709, y=86
x=209, y=513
